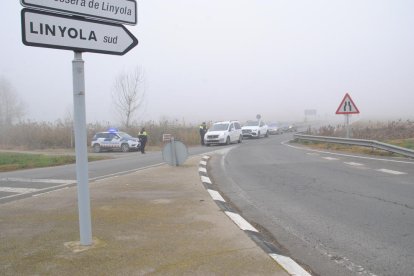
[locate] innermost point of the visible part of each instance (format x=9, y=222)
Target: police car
x=114, y=140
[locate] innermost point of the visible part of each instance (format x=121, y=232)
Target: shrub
x=60, y=134
x=380, y=131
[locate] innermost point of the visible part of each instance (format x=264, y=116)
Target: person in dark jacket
x=143, y=137
x=203, y=130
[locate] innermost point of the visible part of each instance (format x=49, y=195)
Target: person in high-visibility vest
x=143, y=137
x=203, y=130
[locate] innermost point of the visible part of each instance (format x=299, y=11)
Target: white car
x=255, y=129
x=114, y=140
x=224, y=132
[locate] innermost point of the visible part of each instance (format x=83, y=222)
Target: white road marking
x=354, y=164
x=37, y=195
x=391, y=171
x=17, y=190
x=290, y=265
x=204, y=170
x=203, y=163
x=215, y=195
x=205, y=179
x=206, y=157
x=312, y=153
x=108, y=176
x=285, y=143
x=54, y=188
x=69, y=182
x=330, y=158
x=57, y=181
x=240, y=221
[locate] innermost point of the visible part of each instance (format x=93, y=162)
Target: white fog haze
x=219, y=60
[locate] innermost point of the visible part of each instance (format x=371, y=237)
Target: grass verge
x=347, y=148
x=10, y=161
x=405, y=143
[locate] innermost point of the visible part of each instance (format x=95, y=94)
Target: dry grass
x=347, y=148
x=380, y=131
x=400, y=133
x=59, y=135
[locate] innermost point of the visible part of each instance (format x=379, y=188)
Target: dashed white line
x=17, y=190
x=240, y=221
x=354, y=164
x=206, y=157
x=203, y=163
x=205, y=179
x=290, y=265
x=330, y=158
x=287, y=263
x=215, y=195
x=390, y=171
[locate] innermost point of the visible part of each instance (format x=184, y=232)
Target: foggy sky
x=216, y=60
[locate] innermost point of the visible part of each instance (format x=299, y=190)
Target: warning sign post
x=346, y=108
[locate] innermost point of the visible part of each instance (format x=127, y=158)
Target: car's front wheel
x=96, y=148
x=125, y=147
x=228, y=140
x=267, y=134
x=240, y=139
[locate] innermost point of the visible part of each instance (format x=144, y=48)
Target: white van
x=224, y=132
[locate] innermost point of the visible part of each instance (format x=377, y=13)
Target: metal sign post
x=50, y=30
x=347, y=107
x=174, y=153
x=347, y=125
x=81, y=149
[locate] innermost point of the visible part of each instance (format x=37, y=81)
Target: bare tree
x=128, y=95
x=11, y=108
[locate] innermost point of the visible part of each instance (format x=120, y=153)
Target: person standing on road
x=143, y=137
x=203, y=130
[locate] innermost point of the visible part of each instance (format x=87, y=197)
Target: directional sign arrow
x=42, y=29
x=120, y=11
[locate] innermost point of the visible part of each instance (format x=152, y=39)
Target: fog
x=217, y=60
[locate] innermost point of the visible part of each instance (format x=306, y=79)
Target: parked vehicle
x=224, y=132
x=292, y=128
x=255, y=129
x=275, y=129
x=114, y=140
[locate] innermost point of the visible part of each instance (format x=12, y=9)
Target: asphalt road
x=337, y=214
x=25, y=183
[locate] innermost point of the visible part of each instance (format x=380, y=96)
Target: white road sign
x=120, y=11
x=41, y=29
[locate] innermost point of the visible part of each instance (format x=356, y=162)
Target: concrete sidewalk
x=158, y=221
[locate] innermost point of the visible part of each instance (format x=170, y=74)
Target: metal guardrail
x=357, y=142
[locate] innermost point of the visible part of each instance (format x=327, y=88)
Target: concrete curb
x=285, y=262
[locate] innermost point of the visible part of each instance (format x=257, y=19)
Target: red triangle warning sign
x=347, y=106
